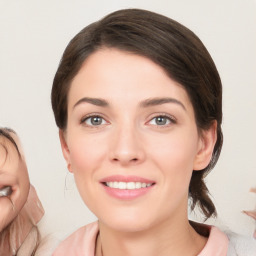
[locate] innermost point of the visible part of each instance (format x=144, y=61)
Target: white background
x=33, y=35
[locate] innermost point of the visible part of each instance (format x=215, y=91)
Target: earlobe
x=65, y=149
x=206, y=147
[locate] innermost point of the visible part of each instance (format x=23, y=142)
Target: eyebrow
x=160, y=101
x=146, y=103
x=93, y=101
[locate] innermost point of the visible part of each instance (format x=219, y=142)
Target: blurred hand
x=252, y=213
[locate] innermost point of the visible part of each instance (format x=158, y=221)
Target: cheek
x=85, y=154
x=175, y=156
x=17, y=177
x=176, y=152
x=7, y=213
x=24, y=184
x=86, y=158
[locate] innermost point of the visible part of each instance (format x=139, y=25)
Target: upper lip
x=126, y=179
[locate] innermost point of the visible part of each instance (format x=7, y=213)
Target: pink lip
x=126, y=194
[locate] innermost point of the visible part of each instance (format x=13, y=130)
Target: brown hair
x=170, y=45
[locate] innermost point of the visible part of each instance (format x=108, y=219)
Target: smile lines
x=127, y=185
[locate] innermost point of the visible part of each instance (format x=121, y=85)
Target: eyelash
x=169, y=118
x=90, y=116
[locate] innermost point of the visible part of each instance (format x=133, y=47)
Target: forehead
x=116, y=74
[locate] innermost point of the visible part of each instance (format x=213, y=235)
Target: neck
x=173, y=238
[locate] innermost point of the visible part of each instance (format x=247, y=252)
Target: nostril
x=132, y=160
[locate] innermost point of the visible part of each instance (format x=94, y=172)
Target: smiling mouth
x=127, y=185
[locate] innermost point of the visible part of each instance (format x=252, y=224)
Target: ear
x=206, y=147
x=65, y=149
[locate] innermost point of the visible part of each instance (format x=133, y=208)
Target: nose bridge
x=126, y=144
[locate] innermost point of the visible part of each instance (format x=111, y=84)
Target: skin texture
x=13, y=172
x=129, y=141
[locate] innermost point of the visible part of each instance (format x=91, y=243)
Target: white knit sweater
x=241, y=245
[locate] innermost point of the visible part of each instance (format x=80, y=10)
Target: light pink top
x=82, y=243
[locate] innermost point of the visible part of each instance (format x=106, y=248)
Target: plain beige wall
x=33, y=35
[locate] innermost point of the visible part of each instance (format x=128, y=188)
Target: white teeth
x=122, y=185
x=115, y=185
x=137, y=185
x=131, y=185
x=127, y=185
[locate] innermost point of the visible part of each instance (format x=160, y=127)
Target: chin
x=126, y=223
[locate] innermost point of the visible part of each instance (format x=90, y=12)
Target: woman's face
x=13, y=173
x=131, y=141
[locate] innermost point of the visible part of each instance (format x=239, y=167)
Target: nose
x=126, y=147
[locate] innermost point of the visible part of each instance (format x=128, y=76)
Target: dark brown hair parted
x=170, y=45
